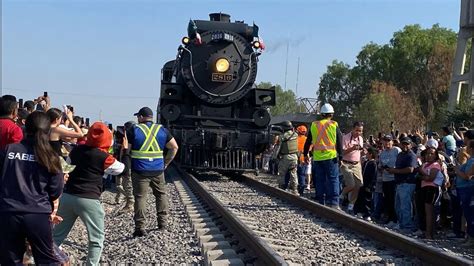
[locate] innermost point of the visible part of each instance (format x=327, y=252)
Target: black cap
x=387, y=137
x=405, y=140
x=145, y=112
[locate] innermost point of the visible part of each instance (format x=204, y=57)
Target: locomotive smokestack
x=219, y=17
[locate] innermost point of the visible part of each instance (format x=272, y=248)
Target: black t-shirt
x=85, y=180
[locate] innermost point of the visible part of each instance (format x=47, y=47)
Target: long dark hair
x=53, y=114
x=37, y=128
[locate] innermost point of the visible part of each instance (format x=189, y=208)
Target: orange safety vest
x=323, y=134
x=301, y=142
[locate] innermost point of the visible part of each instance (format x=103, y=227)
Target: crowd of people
x=413, y=182
x=53, y=167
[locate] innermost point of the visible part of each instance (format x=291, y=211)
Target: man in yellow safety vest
x=326, y=138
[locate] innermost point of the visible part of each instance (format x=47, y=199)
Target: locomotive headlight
x=222, y=65
x=185, y=40
x=256, y=44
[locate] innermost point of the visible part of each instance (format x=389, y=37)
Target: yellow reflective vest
x=323, y=135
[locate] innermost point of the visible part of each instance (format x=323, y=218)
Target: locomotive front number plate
x=219, y=77
x=222, y=36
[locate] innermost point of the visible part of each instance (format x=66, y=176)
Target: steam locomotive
x=208, y=98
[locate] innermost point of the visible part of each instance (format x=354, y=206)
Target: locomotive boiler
x=209, y=100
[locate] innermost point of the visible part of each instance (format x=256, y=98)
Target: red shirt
x=9, y=132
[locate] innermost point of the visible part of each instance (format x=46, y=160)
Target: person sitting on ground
x=10, y=132
x=31, y=180
x=82, y=192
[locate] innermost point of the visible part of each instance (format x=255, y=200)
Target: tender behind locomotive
x=209, y=100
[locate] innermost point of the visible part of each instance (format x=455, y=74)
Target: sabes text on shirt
x=21, y=156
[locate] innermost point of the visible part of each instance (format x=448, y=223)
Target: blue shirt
x=388, y=158
x=449, y=142
x=404, y=160
x=461, y=182
x=149, y=167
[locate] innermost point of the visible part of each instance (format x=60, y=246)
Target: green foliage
x=373, y=112
x=286, y=101
x=463, y=114
x=416, y=61
x=385, y=104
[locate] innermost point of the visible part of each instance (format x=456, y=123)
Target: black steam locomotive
x=209, y=100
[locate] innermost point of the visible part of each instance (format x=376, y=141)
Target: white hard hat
x=327, y=109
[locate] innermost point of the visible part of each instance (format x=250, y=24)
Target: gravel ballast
x=175, y=245
x=297, y=235
x=442, y=241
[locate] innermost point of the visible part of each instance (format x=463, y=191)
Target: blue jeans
x=377, y=205
x=404, y=205
x=457, y=214
x=466, y=196
x=326, y=181
x=301, y=172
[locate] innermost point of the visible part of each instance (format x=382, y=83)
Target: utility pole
x=286, y=65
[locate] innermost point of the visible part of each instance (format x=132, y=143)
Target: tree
x=385, y=104
x=416, y=61
x=286, y=101
x=462, y=115
x=337, y=88
x=422, y=64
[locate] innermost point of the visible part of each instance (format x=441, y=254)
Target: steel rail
x=266, y=255
x=391, y=239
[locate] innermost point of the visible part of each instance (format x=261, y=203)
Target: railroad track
x=264, y=225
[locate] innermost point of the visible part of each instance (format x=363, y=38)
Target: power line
x=83, y=94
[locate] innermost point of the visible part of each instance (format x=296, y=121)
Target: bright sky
x=105, y=56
